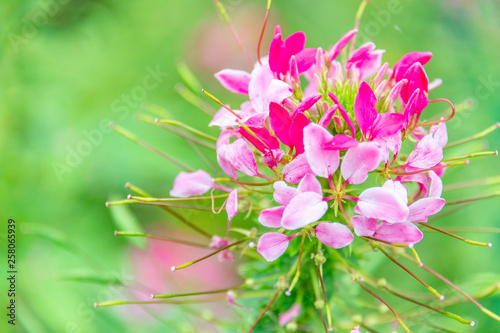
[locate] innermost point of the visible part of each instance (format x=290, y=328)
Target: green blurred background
x=69, y=67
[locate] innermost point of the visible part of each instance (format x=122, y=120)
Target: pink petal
x=272, y=245
x=284, y=193
x=258, y=87
x=224, y=162
x=355, y=330
x=234, y=80
x=193, y=183
x=299, y=122
x=261, y=138
x=322, y=162
x=305, y=59
x=224, y=118
x=272, y=158
x=310, y=184
x=341, y=142
x=360, y=160
x=334, y=234
x=294, y=171
x=364, y=226
x=232, y=204
x=439, y=133
x=307, y=103
x=271, y=217
x=403, y=233
x=280, y=122
x=421, y=209
x=364, y=108
x=398, y=189
x=382, y=204
x=370, y=64
x=436, y=185
x=427, y=154
x=289, y=315
x=327, y=117
x=341, y=44
x=242, y=157
x=278, y=91
x=303, y=209
x=417, y=79
x=387, y=124
x=407, y=61
x=276, y=50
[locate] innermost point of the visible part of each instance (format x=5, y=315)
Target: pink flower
x=236, y=81
x=193, y=183
x=323, y=162
x=289, y=315
x=232, y=204
x=272, y=245
x=334, y=234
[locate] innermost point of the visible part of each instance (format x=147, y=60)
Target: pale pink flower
x=193, y=183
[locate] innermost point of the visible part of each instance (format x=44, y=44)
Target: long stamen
x=132, y=137
x=186, y=127
x=216, y=100
x=165, y=238
x=128, y=202
x=386, y=304
x=244, y=183
x=432, y=290
x=468, y=241
x=174, y=268
x=484, y=153
x=198, y=293
x=440, y=120
x=451, y=284
x=472, y=183
x=149, y=199
x=480, y=135
x=456, y=202
x=327, y=308
x=268, y=9
x=194, y=99
x=224, y=14
x=466, y=162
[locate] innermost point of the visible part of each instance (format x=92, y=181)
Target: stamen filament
x=170, y=239
x=456, y=202
x=466, y=162
x=198, y=293
x=186, y=127
x=468, y=241
x=212, y=97
x=297, y=273
x=359, y=14
x=194, y=99
x=127, y=202
x=132, y=137
x=474, y=137
x=327, y=308
x=174, y=268
x=484, y=153
x=148, y=199
x=265, y=310
x=268, y=9
x=440, y=120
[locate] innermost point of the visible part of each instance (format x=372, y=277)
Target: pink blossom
x=407, y=61
x=232, y=204
x=323, y=162
x=272, y=245
x=360, y=160
x=236, y=81
x=295, y=170
x=334, y=234
x=193, y=183
x=341, y=44
x=289, y=315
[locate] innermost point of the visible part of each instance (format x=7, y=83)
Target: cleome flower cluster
x=314, y=127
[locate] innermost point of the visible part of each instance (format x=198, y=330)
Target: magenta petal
x=242, y=157
x=283, y=193
x=275, y=53
x=289, y=315
x=398, y=233
x=272, y=245
x=364, y=226
x=295, y=42
x=271, y=217
x=341, y=44
x=327, y=117
x=360, y=160
x=341, y=142
x=307, y=103
x=334, y=234
x=421, y=209
x=427, y=154
x=299, y=122
x=382, y=204
x=264, y=140
x=364, y=108
x=232, y=204
x=294, y=171
x=310, y=184
x=234, y=80
x=407, y=61
x=322, y=162
x=193, y=183
x=417, y=79
x=305, y=59
x=303, y=209
x=387, y=124
x=280, y=122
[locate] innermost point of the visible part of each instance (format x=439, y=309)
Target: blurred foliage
x=67, y=67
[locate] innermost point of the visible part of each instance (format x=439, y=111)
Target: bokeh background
x=69, y=67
